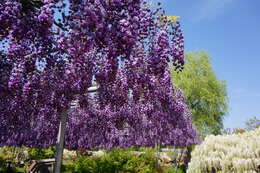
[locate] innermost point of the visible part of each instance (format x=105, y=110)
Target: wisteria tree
x=52, y=51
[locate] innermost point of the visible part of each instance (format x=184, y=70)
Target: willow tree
x=53, y=51
x=205, y=94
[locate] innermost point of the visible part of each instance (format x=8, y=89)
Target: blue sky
x=229, y=30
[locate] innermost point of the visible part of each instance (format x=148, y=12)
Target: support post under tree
x=60, y=142
x=61, y=136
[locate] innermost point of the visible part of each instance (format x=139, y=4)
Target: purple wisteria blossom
x=52, y=51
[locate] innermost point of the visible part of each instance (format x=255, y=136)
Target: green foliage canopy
x=253, y=123
x=205, y=94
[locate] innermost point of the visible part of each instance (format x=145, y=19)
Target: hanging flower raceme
x=178, y=47
x=53, y=51
x=10, y=12
x=228, y=153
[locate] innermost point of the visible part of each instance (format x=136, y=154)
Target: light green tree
x=253, y=123
x=205, y=94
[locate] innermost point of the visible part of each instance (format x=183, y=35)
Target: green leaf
x=205, y=94
x=173, y=18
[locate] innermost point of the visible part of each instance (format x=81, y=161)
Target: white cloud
x=212, y=8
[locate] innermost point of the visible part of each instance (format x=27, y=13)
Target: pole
x=60, y=142
x=61, y=136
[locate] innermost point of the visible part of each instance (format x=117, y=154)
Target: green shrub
x=115, y=161
x=37, y=153
x=2, y=164
x=119, y=161
x=173, y=170
x=4, y=169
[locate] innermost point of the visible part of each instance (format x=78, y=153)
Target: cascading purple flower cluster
x=178, y=47
x=53, y=51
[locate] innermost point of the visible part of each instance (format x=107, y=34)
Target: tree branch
x=60, y=26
